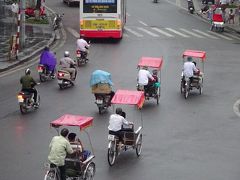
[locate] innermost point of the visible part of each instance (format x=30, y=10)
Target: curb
x=34, y=53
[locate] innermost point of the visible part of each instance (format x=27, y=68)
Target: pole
x=22, y=31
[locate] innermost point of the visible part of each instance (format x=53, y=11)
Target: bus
x=102, y=18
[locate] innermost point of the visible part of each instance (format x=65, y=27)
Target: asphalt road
x=197, y=138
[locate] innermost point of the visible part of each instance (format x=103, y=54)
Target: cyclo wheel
x=181, y=87
x=158, y=95
x=139, y=146
x=186, y=91
x=112, y=153
x=90, y=171
x=52, y=175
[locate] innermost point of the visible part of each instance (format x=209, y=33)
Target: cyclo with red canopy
x=76, y=167
x=197, y=80
x=153, y=89
x=131, y=139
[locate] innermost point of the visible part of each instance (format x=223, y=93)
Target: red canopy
x=151, y=62
x=129, y=97
x=73, y=120
x=195, y=54
x=217, y=18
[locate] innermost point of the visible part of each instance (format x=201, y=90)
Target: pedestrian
x=15, y=9
x=231, y=16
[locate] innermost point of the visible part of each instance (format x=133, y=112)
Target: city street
x=183, y=139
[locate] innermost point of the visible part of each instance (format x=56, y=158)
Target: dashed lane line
x=191, y=33
x=148, y=32
x=162, y=32
x=143, y=23
x=178, y=33
x=220, y=35
x=133, y=32
x=232, y=36
x=205, y=34
x=73, y=32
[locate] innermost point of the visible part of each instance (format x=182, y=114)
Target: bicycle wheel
x=139, y=146
x=112, y=154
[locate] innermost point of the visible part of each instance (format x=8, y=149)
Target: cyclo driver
x=59, y=147
x=143, y=78
x=67, y=64
x=28, y=84
x=116, y=122
x=189, y=69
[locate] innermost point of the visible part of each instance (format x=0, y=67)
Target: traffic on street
x=147, y=92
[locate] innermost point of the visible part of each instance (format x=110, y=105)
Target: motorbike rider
x=189, y=68
x=28, y=84
x=67, y=64
x=59, y=147
x=190, y=5
x=116, y=122
x=49, y=60
x=143, y=77
x=82, y=45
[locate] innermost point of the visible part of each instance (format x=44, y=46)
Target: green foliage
x=36, y=21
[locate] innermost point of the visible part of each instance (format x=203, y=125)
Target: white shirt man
x=189, y=68
x=143, y=76
x=116, y=121
x=82, y=44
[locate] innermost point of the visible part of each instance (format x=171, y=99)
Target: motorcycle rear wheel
x=23, y=110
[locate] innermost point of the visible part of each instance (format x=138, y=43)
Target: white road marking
x=191, y=33
x=133, y=32
x=176, y=32
x=128, y=14
x=233, y=36
x=205, y=34
x=178, y=3
x=143, y=23
x=73, y=32
x=236, y=107
x=162, y=32
x=220, y=35
x=148, y=32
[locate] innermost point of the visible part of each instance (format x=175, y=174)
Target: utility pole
x=22, y=30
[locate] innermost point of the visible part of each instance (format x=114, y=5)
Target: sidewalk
x=37, y=37
x=232, y=27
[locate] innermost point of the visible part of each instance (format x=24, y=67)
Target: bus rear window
x=99, y=6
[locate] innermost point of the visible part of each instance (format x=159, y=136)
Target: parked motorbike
x=64, y=79
x=44, y=74
x=190, y=6
x=26, y=101
x=102, y=102
x=30, y=12
x=57, y=21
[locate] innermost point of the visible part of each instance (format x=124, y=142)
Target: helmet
x=119, y=111
x=189, y=58
x=27, y=71
x=66, y=54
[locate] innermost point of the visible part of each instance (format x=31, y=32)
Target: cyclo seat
x=73, y=166
x=128, y=137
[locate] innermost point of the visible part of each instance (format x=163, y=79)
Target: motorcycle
x=81, y=57
x=64, y=78
x=155, y=1
x=190, y=6
x=44, y=74
x=57, y=21
x=102, y=102
x=26, y=101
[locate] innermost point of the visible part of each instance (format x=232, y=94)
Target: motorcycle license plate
x=60, y=81
x=99, y=101
x=111, y=137
x=78, y=55
x=40, y=70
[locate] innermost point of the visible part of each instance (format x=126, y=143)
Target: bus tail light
x=119, y=23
